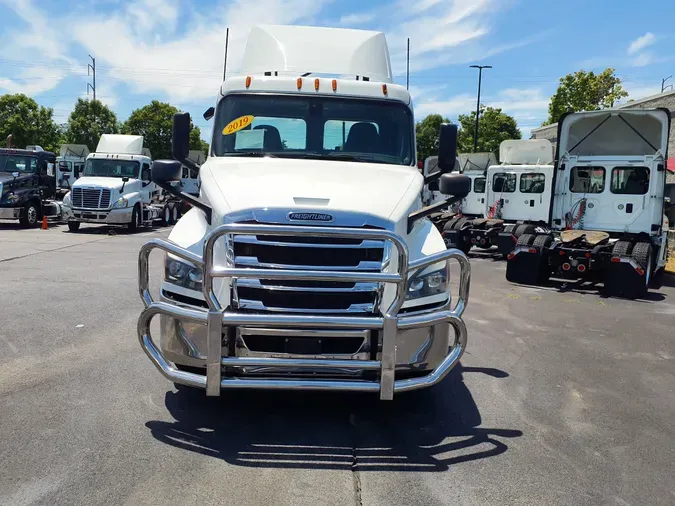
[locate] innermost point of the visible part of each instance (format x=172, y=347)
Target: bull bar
x=387, y=321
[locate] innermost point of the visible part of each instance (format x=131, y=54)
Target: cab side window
x=145, y=172
x=630, y=180
x=479, y=185
x=532, y=183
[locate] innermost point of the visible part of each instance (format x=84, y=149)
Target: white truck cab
x=307, y=261
x=607, y=213
x=189, y=180
x=515, y=196
x=115, y=187
x=70, y=165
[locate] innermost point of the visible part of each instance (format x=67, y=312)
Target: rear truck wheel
x=459, y=224
x=454, y=237
x=523, y=229
x=526, y=240
x=621, y=248
x=166, y=215
x=621, y=278
x=542, y=241
x=30, y=215
x=73, y=226
x=135, y=222
x=508, y=229
x=642, y=253
x=175, y=214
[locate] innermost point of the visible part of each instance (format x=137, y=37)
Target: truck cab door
x=46, y=182
x=148, y=187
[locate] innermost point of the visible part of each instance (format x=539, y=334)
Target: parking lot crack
x=356, y=476
x=50, y=250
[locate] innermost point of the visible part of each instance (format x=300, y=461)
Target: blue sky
x=172, y=50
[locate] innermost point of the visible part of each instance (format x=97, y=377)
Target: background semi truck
x=308, y=262
x=515, y=196
x=607, y=212
x=115, y=188
x=69, y=166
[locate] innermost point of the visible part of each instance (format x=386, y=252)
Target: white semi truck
x=115, y=188
x=607, y=211
x=306, y=262
x=69, y=166
x=515, y=196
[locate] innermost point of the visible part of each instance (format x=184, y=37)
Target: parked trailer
x=287, y=273
x=515, y=199
x=607, y=214
x=28, y=186
x=115, y=188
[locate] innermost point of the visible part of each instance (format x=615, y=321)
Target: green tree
x=585, y=91
x=154, y=122
x=196, y=141
x=426, y=132
x=89, y=120
x=494, y=126
x=28, y=123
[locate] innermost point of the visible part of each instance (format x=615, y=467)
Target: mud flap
x=505, y=242
x=525, y=268
x=622, y=280
x=453, y=238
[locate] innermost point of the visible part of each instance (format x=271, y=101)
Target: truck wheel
x=642, y=254
x=166, y=216
x=30, y=215
x=621, y=248
x=542, y=241
x=135, y=222
x=174, y=214
x=460, y=223
x=523, y=229
x=526, y=240
x=509, y=228
x=73, y=226
x=451, y=223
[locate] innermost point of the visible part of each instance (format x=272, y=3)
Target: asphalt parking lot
x=563, y=397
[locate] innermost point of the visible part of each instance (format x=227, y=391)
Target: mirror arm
x=426, y=211
x=188, y=198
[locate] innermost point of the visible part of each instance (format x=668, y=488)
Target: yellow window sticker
x=237, y=124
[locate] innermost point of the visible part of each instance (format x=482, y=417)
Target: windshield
x=17, y=163
x=106, y=167
x=314, y=127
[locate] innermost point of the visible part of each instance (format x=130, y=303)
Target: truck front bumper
x=102, y=216
x=417, y=343
x=10, y=213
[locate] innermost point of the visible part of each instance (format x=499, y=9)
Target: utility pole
x=92, y=66
x=663, y=84
x=407, y=67
x=480, y=78
x=227, y=39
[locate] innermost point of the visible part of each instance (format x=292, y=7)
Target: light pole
x=663, y=84
x=480, y=78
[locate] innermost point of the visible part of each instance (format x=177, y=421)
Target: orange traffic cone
x=45, y=225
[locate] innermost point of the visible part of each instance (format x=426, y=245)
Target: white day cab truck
x=115, y=188
x=514, y=197
x=307, y=263
x=607, y=212
x=69, y=166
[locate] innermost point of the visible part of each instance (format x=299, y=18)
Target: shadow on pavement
x=424, y=431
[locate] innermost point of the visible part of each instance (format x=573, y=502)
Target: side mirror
x=180, y=137
x=447, y=147
x=457, y=185
x=208, y=114
x=166, y=171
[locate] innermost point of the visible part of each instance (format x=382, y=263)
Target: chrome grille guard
x=388, y=321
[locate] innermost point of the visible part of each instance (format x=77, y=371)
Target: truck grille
x=91, y=198
x=329, y=297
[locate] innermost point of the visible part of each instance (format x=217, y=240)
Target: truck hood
x=110, y=183
x=235, y=184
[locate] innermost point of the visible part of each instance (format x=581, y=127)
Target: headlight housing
x=67, y=200
x=182, y=273
x=427, y=284
x=121, y=203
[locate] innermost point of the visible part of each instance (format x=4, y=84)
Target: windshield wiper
x=327, y=156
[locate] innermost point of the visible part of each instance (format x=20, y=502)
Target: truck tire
x=135, y=222
x=523, y=229
x=451, y=223
x=460, y=223
x=175, y=214
x=526, y=240
x=621, y=248
x=73, y=226
x=542, y=241
x=642, y=254
x=509, y=228
x=166, y=215
x=31, y=214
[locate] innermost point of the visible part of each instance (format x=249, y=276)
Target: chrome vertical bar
x=387, y=375
x=213, y=351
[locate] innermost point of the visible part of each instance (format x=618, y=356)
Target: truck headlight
x=182, y=273
x=427, y=284
x=121, y=203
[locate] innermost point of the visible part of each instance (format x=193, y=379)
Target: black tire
x=175, y=214
x=460, y=223
x=166, y=215
x=542, y=241
x=621, y=248
x=642, y=254
x=133, y=225
x=526, y=240
x=509, y=228
x=523, y=229
x=31, y=215
x=73, y=226
x=451, y=223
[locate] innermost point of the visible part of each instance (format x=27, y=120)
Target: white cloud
x=641, y=43
x=356, y=19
